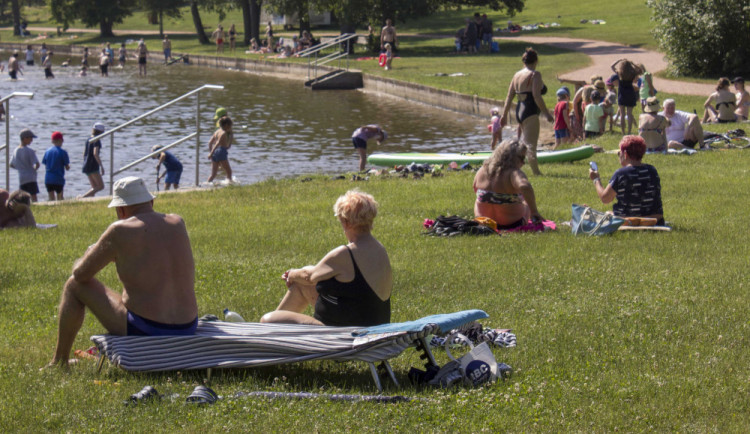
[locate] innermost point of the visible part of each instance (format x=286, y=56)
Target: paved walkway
x=604, y=54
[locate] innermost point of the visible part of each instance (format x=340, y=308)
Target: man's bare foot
x=59, y=363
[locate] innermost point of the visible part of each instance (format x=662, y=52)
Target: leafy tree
x=159, y=8
x=16, y=10
x=703, y=38
x=198, y=23
x=301, y=8
x=218, y=6
x=102, y=13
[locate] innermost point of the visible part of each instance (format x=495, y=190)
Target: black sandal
x=202, y=395
x=146, y=394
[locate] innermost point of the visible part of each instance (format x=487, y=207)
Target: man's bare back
x=157, y=271
x=154, y=262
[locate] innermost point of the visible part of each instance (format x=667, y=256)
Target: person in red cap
x=56, y=162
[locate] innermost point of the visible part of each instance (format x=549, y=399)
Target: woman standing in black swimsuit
x=351, y=285
x=627, y=98
x=528, y=85
x=232, y=38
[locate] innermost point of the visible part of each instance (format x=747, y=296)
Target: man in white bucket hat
x=154, y=262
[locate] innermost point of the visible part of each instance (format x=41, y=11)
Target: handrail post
x=7, y=144
x=111, y=163
x=6, y=100
x=197, y=138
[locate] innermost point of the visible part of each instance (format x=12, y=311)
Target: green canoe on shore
x=402, y=158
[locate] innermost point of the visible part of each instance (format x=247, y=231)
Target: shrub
x=703, y=38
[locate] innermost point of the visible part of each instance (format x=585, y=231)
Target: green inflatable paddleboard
x=403, y=158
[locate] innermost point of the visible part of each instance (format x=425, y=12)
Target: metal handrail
x=161, y=107
x=162, y=149
x=346, y=37
x=111, y=133
x=339, y=56
x=6, y=100
x=322, y=46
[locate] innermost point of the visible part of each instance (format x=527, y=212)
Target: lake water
x=280, y=128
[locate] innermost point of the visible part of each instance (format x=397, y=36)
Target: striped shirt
x=638, y=191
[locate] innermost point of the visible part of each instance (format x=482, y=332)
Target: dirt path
x=603, y=54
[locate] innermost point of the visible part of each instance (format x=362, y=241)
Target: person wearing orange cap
x=56, y=162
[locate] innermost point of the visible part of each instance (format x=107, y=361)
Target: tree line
x=349, y=13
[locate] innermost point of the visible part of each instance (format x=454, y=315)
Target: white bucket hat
x=128, y=191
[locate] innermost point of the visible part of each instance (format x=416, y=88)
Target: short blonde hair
x=357, y=208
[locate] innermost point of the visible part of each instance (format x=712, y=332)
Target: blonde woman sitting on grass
x=503, y=191
x=351, y=285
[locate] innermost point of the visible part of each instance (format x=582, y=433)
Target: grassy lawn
x=634, y=332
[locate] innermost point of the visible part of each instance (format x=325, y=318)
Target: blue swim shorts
x=561, y=134
x=139, y=326
x=220, y=154
x=359, y=143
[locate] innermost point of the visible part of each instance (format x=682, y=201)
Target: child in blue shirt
x=56, y=162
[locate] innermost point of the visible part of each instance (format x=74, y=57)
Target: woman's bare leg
x=530, y=128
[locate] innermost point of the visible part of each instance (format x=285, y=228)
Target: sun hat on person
x=99, y=126
x=652, y=105
x=738, y=80
x=563, y=91
x=128, y=191
x=220, y=112
x=494, y=111
x=57, y=136
x=26, y=134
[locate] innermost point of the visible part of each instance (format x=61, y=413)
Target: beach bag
x=588, y=221
x=476, y=367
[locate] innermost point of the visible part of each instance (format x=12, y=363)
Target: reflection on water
x=280, y=128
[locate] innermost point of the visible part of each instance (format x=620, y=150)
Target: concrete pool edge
x=473, y=105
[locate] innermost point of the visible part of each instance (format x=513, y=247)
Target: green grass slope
x=634, y=332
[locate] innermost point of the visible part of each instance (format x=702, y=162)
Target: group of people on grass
x=475, y=35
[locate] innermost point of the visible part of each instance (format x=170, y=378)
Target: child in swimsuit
x=219, y=145
x=495, y=128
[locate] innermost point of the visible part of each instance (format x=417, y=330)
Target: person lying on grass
x=154, y=263
x=503, y=191
x=351, y=285
x=636, y=185
x=15, y=211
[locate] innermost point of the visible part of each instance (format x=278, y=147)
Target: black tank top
x=350, y=303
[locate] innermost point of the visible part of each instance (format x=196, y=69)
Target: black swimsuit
x=350, y=303
x=528, y=107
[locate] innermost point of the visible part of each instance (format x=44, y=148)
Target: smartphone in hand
x=593, y=166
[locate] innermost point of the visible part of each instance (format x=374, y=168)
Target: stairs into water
x=336, y=80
